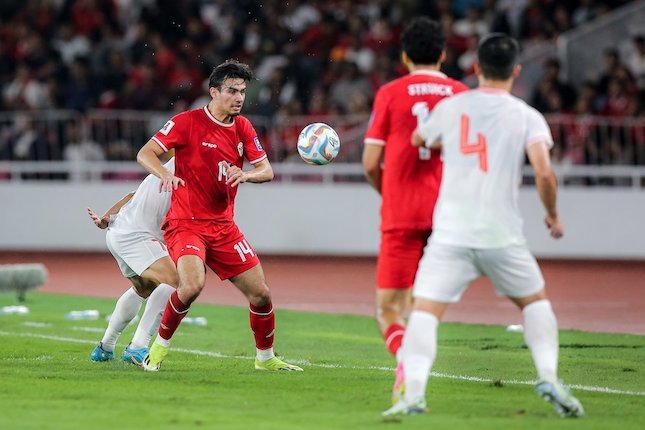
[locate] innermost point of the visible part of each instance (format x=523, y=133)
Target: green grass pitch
x=482, y=376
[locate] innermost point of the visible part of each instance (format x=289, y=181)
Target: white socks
x=419, y=351
x=127, y=307
x=264, y=354
x=151, y=317
x=541, y=336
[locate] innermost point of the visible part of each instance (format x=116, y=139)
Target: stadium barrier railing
x=102, y=145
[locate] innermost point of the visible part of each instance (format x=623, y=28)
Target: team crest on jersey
x=240, y=148
x=257, y=143
x=166, y=128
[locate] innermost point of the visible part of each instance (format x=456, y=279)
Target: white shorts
x=135, y=252
x=445, y=271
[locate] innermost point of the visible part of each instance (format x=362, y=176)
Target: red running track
x=602, y=296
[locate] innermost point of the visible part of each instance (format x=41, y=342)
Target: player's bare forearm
x=104, y=220
x=371, y=160
x=547, y=186
x=374, y=179
x=417, y=140
x=545, y=180
x=118, y=205
x=261, y=172
x=149, y=158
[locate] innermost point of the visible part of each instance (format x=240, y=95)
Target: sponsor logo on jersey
x=257, y=143
x=428, y=89
x=166, y=128
x=240, y=148
x=209, y=145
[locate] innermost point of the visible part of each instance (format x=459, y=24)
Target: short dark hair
x=423, y=41
x=497, y=55
x=229, y=69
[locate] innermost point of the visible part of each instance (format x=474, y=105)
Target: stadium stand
x=87, y=82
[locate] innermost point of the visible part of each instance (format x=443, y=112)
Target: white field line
x=198, y=352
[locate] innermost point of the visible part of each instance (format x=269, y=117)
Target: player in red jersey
x=408, y=179
x=210, y=145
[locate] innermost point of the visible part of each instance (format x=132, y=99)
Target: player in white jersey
x=484, y=135
x=135, y=239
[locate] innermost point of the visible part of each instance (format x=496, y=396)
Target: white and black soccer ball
x=318, y=143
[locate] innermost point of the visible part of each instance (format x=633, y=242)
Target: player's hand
x=556, y=229
x=100, y=222
x=170, y=182
x=417, y=140
x=235, y=175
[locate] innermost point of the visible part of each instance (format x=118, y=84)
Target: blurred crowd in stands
x=313, y=58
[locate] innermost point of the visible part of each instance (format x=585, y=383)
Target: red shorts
x=222, y=247
x=399, y=257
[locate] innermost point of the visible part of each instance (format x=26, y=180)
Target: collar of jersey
x=429, y=72
x=216, y=121
x=490, y=90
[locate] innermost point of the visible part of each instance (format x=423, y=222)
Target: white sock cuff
x=537, y=306
x=427, y=317
x=133, y=292
x=165, y=287
x=163, y=342
x=264, y=354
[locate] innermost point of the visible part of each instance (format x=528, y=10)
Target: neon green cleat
x=152, y=361
x=274, y=364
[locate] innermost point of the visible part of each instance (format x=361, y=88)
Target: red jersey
x=411, y=176
x=203, y=145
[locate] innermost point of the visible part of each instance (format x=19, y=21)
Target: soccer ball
x=318, y=143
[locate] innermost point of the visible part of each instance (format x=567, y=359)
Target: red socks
x=262, y=321
x=262, y=324
x=394, y=337
x=172, y=316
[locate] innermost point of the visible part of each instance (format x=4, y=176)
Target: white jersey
x=484, y=135
x=145, y=212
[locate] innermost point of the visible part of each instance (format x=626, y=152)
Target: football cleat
x=562, y=400
x=134, y=356
x=415, y=407
x=275, y=364
x=152, y=361
x=99, y=354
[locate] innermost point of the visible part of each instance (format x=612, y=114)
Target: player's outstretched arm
x=103, y=221
x=547, y=186
x=418, y=141
x=261, y=172
x=149, y=158
x=372, y=155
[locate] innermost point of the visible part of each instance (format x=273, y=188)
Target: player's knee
x=191, y=289
x=260, y=297
x=387, y=307
x=388, y=313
